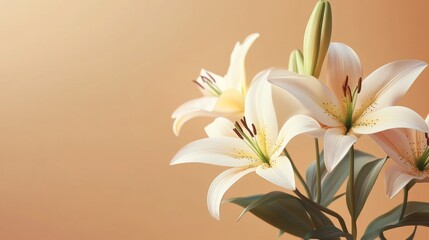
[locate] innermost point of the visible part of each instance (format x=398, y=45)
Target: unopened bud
x=296, y=62
x=317, y=38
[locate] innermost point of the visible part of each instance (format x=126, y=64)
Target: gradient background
x=86, y=93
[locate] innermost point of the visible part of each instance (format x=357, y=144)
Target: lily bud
x=296, y=62
x=317, y=37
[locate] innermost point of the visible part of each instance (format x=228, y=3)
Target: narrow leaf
x=280, y=210
x=327, y=232
x=375, y=228
x=364, y=182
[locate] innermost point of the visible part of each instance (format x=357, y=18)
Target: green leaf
x=280, y=210
x=331, y=182
x=327, y=232
x=414, y=219
x=376, y=227
x=365, y=177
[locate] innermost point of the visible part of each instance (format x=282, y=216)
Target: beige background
x=86, y=93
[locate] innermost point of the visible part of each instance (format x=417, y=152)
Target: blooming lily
x=349, y=106
x=410, y=150
x=251, y=144
x=223, y=96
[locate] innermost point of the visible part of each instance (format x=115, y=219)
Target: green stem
x=352, y=191
x=318, y=173
x=301, y=179
x=404, y=202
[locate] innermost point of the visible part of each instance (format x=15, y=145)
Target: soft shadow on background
x=86, y=93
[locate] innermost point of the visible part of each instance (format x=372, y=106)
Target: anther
x=254, y=129
x=345, y=85
x=359, y=85
x=199, y=84
x=427, y=138
x=207, y=80
x=238, y=126
x=208, y=74
x=243, y=121
x=349, y=94
x=238, y=133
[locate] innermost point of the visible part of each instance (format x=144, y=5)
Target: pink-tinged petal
x=259, y=110
x=236, y=75
x=427, y=120
x=191, y=109
x=295, y=126
x=220, y=185
x=280, y=172
x=312, y=93
x=337, y=144
x=220, y=127
x=222, y=151
x=396, y=178
x=388, y=118
x=417, y=141
x=387, y=84
x=396, y=144
x=342, y=62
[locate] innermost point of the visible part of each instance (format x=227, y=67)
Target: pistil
x=423, y=161
x=249, y=137
x=350, y=100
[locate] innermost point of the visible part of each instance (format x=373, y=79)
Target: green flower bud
x=317, y=38
x=296, y=62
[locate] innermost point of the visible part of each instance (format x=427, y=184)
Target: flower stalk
x=318, y=173
x=298, y=174
x=352, y=192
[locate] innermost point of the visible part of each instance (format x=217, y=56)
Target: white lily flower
x=251, y=144
x=409, y=149
x=348, y=106
x=223, y=96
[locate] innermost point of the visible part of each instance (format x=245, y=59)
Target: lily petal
x=220, y=127
x=395, y=180
x=337, y=144
x=295, y=126
x=396, y=144
x=388, y=118
x=313, y=94
x=222, y=151
x=280, y=172
x=191, y=109
x=220, y=185
x=342, y=62
x=387, y=84
x=427, y=120
x=259, y=110
x=236, y=75
x=230, y=101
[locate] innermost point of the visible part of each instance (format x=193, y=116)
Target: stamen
x=199, y=84
x=238, y=126
x=207, y=80
x=359, y=85
x=427, y=138
x=345, y=85
x=254, y=129
x=349, y=94
x=243, y=121
x=238, y=133
x=210, y=76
